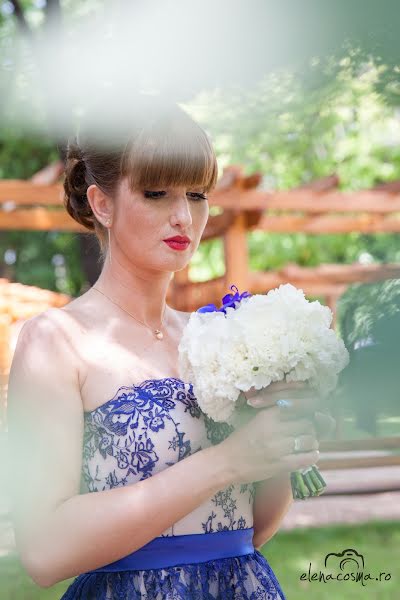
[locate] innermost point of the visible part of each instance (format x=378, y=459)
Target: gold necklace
x=157, y=332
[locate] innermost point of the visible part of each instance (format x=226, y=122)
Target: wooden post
x=236, y=254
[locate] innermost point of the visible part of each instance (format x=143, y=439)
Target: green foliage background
x=293, y=135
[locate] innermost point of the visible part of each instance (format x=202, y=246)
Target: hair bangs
x=172, y=153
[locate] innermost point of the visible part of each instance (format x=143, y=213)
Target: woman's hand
x=324, y=423
x=271, y=442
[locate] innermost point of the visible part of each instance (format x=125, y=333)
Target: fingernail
x=253, y=403
x=284, y=403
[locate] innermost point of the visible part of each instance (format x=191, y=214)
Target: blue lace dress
x=207, y=555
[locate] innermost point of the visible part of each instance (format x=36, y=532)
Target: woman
x=96, y=404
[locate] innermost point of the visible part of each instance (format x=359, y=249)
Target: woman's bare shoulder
x=56, y=331
x=53, y=320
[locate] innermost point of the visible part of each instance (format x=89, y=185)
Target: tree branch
x=53, y=14
x=22, y=22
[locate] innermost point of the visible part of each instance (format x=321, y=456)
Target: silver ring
x=297, y=445
x=284, y=403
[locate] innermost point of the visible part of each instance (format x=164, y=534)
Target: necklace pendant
x=159, y=334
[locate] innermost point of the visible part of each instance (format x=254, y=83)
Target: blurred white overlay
x=53, y=67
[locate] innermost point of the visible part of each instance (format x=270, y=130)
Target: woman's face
x=144, y=218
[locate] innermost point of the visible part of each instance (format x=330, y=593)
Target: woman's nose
x=182, y=213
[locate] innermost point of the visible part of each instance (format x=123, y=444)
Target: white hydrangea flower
x=268, y=337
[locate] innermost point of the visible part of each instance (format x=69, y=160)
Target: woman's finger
x=268, y=396
x=277, y=386
x=251, y=392
x=261, y=401
x=292, y=445
x=295, y=407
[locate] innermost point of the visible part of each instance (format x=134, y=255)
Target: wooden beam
x=342, y=273
x=308, y=201
x=335, y=201
x=233, y=191
x=358, y=462
x=49, y=174
x=261, y=282
x=26, y=193
x=322, y=184
x=217, y=225
x=383, y=443
x=329, y=224
x=310, y=275
x=39, y=219
x=230, y=175
x=190, y=296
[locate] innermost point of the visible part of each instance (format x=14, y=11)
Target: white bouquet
x=254, y=340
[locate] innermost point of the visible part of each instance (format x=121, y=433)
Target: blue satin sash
x=175, y=550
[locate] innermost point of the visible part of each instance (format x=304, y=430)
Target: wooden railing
x=388, y=453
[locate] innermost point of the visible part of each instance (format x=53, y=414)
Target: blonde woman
x=118, y=479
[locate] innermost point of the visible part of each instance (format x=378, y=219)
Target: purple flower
x=230, y=300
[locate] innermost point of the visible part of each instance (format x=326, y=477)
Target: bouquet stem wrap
x=307, y=483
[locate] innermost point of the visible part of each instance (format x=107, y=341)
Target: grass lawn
x=289, y=554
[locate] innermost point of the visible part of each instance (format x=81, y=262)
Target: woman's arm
x=61, y=533
x=272, y=501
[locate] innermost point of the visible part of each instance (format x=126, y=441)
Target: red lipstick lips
x=178, y=238
x=178, y=242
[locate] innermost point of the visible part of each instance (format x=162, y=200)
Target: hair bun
x=75, y=187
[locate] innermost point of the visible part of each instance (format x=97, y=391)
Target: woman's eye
x=150, y=194
x=198, y=195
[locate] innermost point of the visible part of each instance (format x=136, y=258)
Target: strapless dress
x=208, y=554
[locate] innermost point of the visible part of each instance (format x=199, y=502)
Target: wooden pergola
x=238, y=206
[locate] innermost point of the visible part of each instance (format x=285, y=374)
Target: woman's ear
x=101, y=204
